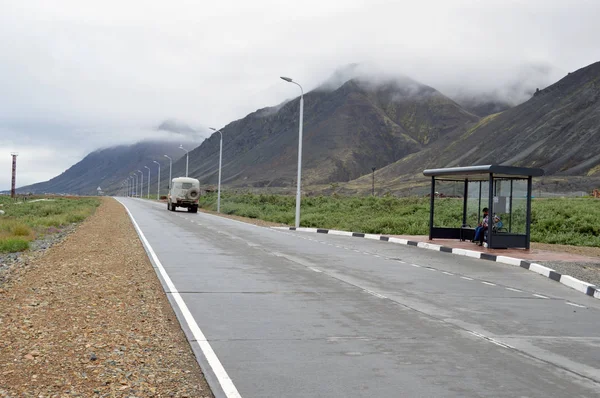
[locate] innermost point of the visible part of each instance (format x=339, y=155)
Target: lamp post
x=135, y=184
x=170, y=167
x=141, y=183
x=298, y=197
x=158, y=189
x=148, y=182
x=220, y=161
x=187, y=158
x=373, y=189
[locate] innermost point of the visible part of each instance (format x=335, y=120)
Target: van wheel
x=193, y=209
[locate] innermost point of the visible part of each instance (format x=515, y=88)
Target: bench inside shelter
x=504, y=190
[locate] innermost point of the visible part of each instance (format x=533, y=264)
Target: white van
x=184, y=192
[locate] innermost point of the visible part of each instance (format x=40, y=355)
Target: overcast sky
x=78, y=75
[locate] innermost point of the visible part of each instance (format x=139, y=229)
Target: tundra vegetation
x=26, y=219
x=568, y=221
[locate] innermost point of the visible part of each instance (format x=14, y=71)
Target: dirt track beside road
x=90, y=318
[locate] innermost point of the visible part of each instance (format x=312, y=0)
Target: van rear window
x=186, y=185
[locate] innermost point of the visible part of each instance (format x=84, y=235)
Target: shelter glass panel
x=448, y=203
x=477, y=200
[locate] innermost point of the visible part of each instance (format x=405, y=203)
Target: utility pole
x=373, y=188
x=13, y=187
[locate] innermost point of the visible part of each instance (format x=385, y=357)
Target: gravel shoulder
x=89, y=318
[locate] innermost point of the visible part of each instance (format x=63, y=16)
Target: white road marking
x=225, y=381
x=513, y=290
x=374, y=294
x=491, y=340
x=488, y=283
x=364, y=252
x=430, y=269
x=416, y=265
x=447, y=273
x=540, y=296
x=576, y=305
x=315, y=269
x=466, y=278
x=375, y=255
x=401, y=262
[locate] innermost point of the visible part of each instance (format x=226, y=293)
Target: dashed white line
x=466, y=278
x=416, y=265
x=447, y=273
x=513, y=290
x=540, y=296
x=315, y=269
x=401, y=262
x=576, y=305
x=375, y=294
x=491, y=340
x=430, y=269
x=375, y=255
x=488, y=283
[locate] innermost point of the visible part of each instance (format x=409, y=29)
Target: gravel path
x=89, y=318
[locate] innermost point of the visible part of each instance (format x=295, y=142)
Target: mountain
x=558, y=130
x=483, y=105
x=107, y=168
x=349, y=129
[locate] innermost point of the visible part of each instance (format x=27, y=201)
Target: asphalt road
x=293, y=314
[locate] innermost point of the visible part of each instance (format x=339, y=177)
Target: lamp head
x=287, y=79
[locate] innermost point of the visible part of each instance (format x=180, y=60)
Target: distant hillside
x=106, y=168
x=348, y=130
x=558, y=129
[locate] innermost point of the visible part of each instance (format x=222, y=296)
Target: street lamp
x=148, y=182
x=158, y=190
x=170, y=167
x=187, y=158
x=220, y=161
x=373, y=189
x=136, y=178
x=289, y=80
x=141, y=183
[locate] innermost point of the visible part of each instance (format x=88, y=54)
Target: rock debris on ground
x=89, y=318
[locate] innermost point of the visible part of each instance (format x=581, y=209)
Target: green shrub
x=11, y=245
x=21, y=230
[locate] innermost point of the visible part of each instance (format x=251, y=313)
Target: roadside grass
x=567, y=221
x=25, y=221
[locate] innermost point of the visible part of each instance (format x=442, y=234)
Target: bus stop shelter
x=504, y=190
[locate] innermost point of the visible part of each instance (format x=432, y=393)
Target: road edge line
x=225, y=383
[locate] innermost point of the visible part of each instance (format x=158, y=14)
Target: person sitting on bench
x=482, y=227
